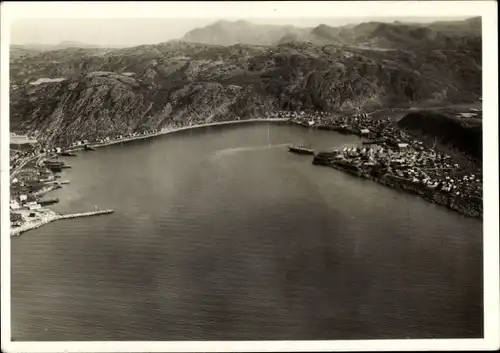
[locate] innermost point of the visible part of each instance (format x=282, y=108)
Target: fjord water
x=220, y=234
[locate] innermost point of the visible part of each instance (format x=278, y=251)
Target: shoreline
x=453, y=204
x=437, y=198
x=173, y=130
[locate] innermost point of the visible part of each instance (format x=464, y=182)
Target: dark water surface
x=220, y=233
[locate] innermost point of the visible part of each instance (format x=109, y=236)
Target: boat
x=300, y=149
x=52, y=163
x=65, y=166
x=89, y=148
x=68, y=154
x=372, y=142
x=48, y=201
x=55, y=168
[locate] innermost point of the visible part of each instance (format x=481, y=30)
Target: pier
x=85, y=214
x=51, y=217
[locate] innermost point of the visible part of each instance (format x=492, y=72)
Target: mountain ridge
x=104, y=91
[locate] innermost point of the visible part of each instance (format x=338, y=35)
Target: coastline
x=173, y=130
x=52, y=216
x=454, y=204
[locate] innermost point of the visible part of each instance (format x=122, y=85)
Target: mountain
x=396, y=35
x=241, y=32
x=96, y=92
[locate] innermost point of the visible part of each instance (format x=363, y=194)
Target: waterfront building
x=34, y=207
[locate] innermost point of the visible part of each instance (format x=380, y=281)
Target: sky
x=142, y=22
x=137, y=31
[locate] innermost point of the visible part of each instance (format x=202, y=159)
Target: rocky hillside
x=95, y=92
x=462, y=133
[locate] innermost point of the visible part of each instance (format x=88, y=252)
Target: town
x=395, y=158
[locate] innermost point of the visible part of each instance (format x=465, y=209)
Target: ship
x=68, y=154
x=300, y=149
x=89, y=148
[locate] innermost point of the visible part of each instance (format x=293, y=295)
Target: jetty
x=51, y=217
x=85, y=214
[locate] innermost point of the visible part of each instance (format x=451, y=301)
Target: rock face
x=117, y=91
x=465, y=134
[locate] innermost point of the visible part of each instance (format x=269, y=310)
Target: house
x=402, y=146
x=23, y=198
x=311, y=123
x=364, y=131
x=14, y=205
x=34, y=207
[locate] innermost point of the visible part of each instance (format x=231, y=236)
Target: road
x=26, y=161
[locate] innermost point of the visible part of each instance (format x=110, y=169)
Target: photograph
x=243, y=175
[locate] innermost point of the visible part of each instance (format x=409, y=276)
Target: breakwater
x=471, y=207
x=51, y=217
x=85, y=214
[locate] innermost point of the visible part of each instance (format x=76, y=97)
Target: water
x=221, y=234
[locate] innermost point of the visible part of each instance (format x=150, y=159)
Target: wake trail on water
x=235, y=150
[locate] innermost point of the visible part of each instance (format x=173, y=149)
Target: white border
x=249, y=10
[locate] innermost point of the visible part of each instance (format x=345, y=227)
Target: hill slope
x=464, y=134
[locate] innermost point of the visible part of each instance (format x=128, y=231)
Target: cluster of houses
x=83, y=143
x=360, y=124
x=425, y=167
x=16, y=156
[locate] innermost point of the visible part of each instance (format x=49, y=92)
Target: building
x=34, y=207
x=23, y=197
x=402, y=146
x=14, y=205
x=364, y=131
x=311, y=123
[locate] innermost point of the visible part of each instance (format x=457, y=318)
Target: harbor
x=386, y=154
x=34, y=179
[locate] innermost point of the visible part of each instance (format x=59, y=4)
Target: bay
x=220, y=234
